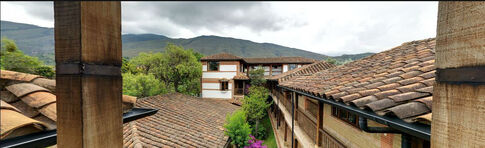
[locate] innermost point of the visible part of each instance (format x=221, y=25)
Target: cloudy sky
x=331, y=28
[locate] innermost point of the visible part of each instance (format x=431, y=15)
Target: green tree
x=237, y=128
x=46, y=71
x=128, y=67
x=11, y=58
x=331, y=60
x=256, y=76
x=179, y=68
x=255, y=105
x=145, y=62
x=142, y=85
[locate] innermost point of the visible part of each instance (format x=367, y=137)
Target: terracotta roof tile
x=385, y=94
x=408, y=96
x=17, y=76
x=221, y=56
x=283, y=60
x=388, y=86
x=182, y=121
x=23, y=89
x=405, y=73
x=409, y=110
x=14, y=124
x=301, y=71
x=28, y=94
x=411, y=87
x=241, y=76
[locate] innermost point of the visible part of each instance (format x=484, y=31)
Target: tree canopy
x=12, y=58
x=177, y=68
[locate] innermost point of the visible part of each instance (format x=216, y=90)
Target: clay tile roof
x=29, y=103
x=393, y=82
x=182, y=121
x=13, y=123
x=241, y=76
x=304, y=70
x=283, y=60
x=221, y=56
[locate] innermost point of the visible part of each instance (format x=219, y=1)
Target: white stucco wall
x=214, y=86
x=227, y=67
x=217, y=94
x=285, y=68
x=227, y=75
x=204, y=67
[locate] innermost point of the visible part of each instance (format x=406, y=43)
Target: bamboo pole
x=459, y=104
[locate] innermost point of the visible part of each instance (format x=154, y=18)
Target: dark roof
x=302, y=71
x=182, y=121
x=397, y=82
x=28, y=104
x=221, y=56
x=284, y=60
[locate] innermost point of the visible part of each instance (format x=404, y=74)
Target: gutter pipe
x=419, y=130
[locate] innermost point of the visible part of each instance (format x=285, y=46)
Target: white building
x=225, y=76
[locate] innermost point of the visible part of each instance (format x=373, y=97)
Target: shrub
x=46, y=71
x=142, y=85
x=255, y=143
x=260, y=132
x=237, y=128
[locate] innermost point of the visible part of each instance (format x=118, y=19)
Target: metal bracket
x=463, y=75
x=87, y=69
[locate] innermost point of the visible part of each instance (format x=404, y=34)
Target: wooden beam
x=88, y=98
x=458, y=108
x=318, y=139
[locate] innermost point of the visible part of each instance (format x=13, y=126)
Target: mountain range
x=39, y=41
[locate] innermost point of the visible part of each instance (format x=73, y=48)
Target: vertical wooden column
x=318, y=139
x=88, y=74
x=459, y=94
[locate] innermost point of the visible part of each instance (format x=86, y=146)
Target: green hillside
x=39, y=41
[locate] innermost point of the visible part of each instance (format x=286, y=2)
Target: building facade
x=381, y=101
x=225, y=76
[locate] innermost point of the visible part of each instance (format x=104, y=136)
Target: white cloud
x=331, y=28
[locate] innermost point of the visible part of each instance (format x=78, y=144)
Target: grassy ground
x=270, y=141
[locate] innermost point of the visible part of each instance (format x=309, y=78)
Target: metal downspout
x=363, y=125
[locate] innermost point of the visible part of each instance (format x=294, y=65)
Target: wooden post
x=318, y=139
x=459, y=94
x=88, y=74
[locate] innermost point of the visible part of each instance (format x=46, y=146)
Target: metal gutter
x=419, y=130
x=49, y=138
x=363, y=125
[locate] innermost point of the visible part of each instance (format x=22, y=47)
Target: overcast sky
x=331, y=28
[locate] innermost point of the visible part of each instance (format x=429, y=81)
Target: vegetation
x=177, y=70
x=255, y=143
x=12, y=58
x=237, y=128
x=254, y=104
x=142, y=85
x=270, y=140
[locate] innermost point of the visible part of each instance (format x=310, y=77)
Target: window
x=276, y=69
x=345, y=116
x=224, y=86
x=292, y=66
x=213, y=66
